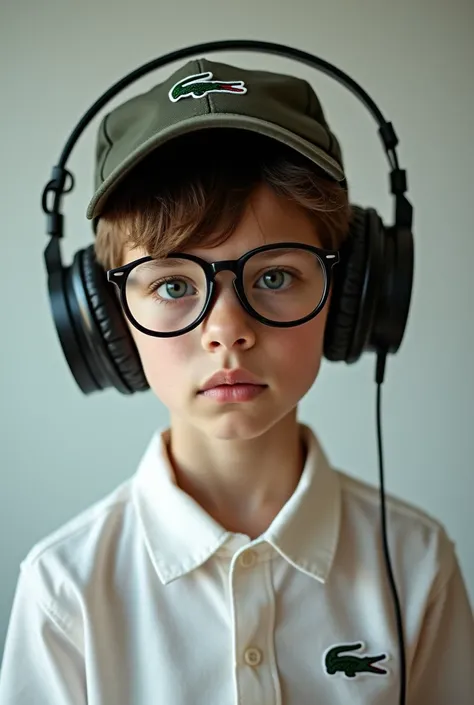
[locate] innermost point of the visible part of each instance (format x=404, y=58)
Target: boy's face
x=287, y=360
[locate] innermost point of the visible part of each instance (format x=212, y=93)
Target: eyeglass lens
x=282, y=285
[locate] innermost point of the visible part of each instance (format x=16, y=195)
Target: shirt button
x=253, y=656
x=247, y=559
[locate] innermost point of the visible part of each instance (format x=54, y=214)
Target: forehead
x=268, y=218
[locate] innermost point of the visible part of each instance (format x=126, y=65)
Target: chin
x=234, y=425
x=231, y=427
x=230, y=431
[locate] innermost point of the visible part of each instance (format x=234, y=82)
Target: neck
x=242, y=484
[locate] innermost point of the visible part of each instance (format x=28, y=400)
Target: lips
x=231, y=377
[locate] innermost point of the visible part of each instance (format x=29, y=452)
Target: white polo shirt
x=145, y=600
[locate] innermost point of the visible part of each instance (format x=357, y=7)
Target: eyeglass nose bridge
x=227, y=265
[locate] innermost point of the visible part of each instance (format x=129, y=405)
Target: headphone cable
x=379, y=378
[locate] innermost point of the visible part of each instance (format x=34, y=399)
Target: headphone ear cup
x=119, y=357
x=346, y=297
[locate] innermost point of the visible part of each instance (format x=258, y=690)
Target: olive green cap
x=203, y=94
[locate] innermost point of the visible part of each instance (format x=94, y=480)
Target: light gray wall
x=60, y=451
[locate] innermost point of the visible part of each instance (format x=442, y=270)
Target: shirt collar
x=181, y=536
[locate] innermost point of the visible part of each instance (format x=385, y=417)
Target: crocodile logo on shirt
x=201, y=84
x=350, y=665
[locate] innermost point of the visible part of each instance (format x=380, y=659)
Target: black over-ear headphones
x=372, y=284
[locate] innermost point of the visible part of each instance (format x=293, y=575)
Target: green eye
x=172, y=289
x=275, y=279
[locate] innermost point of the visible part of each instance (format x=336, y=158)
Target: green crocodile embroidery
x=336, y=660
x=201, y=84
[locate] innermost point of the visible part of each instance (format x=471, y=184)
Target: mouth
x=238, y=392
x=231, y=378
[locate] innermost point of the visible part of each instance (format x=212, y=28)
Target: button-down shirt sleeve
x=41, y=664
x=443, y=667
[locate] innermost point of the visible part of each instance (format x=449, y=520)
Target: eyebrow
x=266, y=254
x=279, y=252
x=163, y=262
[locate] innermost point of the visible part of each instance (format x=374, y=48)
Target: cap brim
x=313, y=152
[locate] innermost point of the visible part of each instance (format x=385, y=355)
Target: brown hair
x=194, y=191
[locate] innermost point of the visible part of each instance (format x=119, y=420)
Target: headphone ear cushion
x=346, y=298
x=114, y=333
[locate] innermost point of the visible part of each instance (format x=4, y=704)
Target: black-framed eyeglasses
x=281, y=285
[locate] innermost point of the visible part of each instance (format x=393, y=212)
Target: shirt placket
x=253, y=623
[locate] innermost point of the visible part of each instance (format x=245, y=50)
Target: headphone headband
x=398, y=181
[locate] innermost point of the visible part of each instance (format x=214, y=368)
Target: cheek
x=165, y=361
x=297, y=353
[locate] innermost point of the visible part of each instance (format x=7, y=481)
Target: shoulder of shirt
x=82, y=557
x=408, y=525
x=401, y=509
x=58, y=568
x=88, y=522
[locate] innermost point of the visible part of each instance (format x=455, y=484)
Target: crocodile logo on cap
x=350, y=665
x=201, y=84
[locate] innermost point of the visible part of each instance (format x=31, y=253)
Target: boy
x=235, y=566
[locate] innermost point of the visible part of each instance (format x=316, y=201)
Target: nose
x=227, y=324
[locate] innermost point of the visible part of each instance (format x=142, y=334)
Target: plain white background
x=59, y=450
